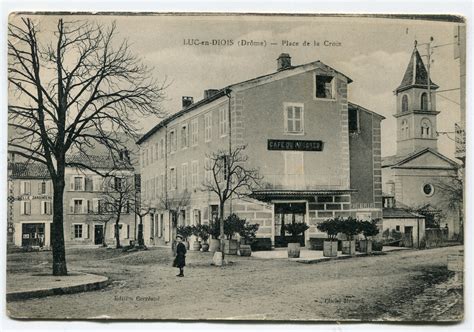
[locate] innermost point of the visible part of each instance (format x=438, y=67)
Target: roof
x=98, y=162
x=358, y=107
x=28, y=170
x=36, y=170
x=395, y=213
x=267, y=194
x=226, y=91
x=397, y=160
x=416, y=74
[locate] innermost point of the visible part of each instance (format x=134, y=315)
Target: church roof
x=397, y=160
x=416, y=74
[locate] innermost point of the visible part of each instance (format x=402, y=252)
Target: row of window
x=43, y=187
x=46, y=208
x=81, y=231
x=95, y=206
x=425, y=129
x=423, y=102
x=188, y=136
x=188, y=179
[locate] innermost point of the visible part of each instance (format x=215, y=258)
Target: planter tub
x=196, y=245
x=294, y=250
x=214, y=245
x=365, y=246
x=348, y=247
x=245, y=250
x=330, y=248
x=205, y=247
x=231, y=247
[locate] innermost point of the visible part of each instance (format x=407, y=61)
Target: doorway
x=32, y=235
x=98, y=234
x=286, y=213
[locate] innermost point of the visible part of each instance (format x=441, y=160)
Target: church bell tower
x=416, y=108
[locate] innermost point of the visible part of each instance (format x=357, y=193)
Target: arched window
x=405, y=103
x=424, y=101
x=405, y=129
x=426, y=128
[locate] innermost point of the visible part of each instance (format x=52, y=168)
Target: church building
x=413, y=177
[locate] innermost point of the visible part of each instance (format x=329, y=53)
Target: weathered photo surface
x=236, y=167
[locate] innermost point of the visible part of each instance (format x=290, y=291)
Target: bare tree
x=228, y=176
x=78, y=89
x=118, y=199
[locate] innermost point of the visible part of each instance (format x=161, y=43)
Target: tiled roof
x=28, y=170
x=393, y=213
x=358, y=107
x=220, y=93
x=415, y=74
x=98, y=161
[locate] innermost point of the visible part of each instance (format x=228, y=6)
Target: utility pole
x=428, y=66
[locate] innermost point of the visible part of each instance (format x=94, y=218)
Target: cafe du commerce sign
x=294, y=145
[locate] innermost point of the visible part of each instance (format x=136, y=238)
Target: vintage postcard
x=180, y=166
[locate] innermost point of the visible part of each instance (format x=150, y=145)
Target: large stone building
x=413, y=177
x=319, y=154
x=31, y=210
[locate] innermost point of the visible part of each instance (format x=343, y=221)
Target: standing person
x=180, y=259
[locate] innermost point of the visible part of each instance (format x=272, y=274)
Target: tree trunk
x=57, y=230
x=141, y=242
x=221, y=226
x=117, y=233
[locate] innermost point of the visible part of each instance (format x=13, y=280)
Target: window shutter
x=39, y=188
x=88, y=183
x=89, y=206
x=72, y=232
x=84, y=206
x=22, y=207
x=86, y=231
x=28, y=208
x=43, y=207
x=49, y=187
x=71, y=206
x=71, y=183
x=28, y=187
x=128, y=231
x=49, y=207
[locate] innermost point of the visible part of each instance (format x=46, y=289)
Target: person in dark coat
x=180, y=259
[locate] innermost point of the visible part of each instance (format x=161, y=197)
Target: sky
x=373, y=52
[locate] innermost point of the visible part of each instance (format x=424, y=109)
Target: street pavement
x=144, y=286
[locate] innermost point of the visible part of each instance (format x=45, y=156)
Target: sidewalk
x=29, y=285
x=314, y=256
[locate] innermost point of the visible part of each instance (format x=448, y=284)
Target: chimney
x=187, y=101
x=210, y=92
x=283, y=61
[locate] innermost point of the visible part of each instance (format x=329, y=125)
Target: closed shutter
x=40, y=186
x=84, y=206
x=86, y=231
x=96, y=183
x=95, y=205
x=43, y=207
x=28, y=208
x=48, y=205
x=71, y=206
x=72, y=232
x=88, y=183
x=71, y=183
x=49, y=187
x=22, y=207
x=128, y=231
x=28, y=187
x=89, y=206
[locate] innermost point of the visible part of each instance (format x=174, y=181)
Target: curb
x=23, y=295
x=327, y=259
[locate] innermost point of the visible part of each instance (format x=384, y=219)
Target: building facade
x=414, y=176
x=318, y=154
x=87, y=221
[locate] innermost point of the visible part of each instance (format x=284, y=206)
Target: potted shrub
x=247, y=234
x=350, y=227
x=232, y=225
x=214, y=232
x=369, y=229
x=331, y=227
x=295, y=229
x=203, y=233
x=195, y=230
x=185, y=232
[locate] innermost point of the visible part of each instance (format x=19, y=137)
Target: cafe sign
x=294, y=145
